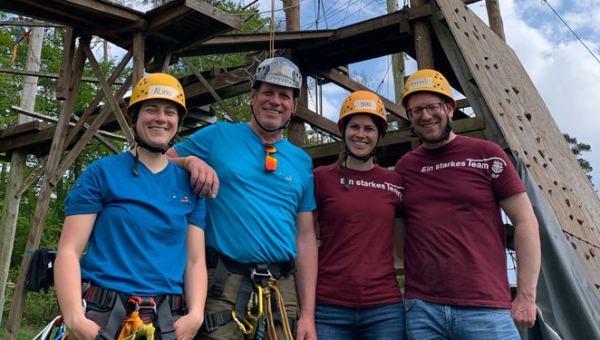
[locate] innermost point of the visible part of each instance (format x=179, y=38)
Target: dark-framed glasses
x=433, y=108
x=270, y=160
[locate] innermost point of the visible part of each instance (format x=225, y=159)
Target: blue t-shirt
x=253, y=219
x=137, y=246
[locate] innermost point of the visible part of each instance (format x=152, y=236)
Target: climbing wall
x=528, y=129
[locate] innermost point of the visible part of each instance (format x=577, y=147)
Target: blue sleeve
x=85, y=196
x=198, y=144
x=198, y=216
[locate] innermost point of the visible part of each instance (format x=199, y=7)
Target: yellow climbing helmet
x=427, y=80
x=158, y=86
x=363, y=102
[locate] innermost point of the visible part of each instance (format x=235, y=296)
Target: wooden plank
x=215, y=13
x=48, y=75
x=112, y=101
x=347, y=83
x=229, y=114
x=108, y=8
x=21, y=129
x=465, y=78
x=62, y=87
x=317, y=121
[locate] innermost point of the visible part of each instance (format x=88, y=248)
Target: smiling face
x=157, y=122
x=429, y=120
x=272, y=105
x=361, y=134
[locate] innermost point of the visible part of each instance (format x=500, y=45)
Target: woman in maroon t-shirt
x=358, y=295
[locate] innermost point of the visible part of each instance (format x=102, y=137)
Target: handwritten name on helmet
x=163, y=91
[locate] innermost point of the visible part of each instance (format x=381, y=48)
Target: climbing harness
x=141, y=314
x=259, y=302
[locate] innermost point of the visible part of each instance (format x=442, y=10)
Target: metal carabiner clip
x=243, y=325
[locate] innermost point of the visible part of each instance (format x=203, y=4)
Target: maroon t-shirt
x=356, y=261
x=455, y=239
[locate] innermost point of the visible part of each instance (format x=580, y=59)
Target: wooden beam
x=30, y=23
x=48, y=75
x=317, y=121
x=54, y=120
x=234, y=43
x=113, y=10
x=99, y=95
x=21, y=129
x=64, y=75
x=87, y=136
x=347, y=83
x=229, y=114
x=112, y=101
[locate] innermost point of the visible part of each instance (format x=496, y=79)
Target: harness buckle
x=142, y=303
x=260, y=275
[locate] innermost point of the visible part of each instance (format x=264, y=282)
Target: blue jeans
x=384, y=322
x=426, y=320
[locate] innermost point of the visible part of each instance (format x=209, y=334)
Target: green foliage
x=40, y=309
x=578, y=148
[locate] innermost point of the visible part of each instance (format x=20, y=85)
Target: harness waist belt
x=277, y=270
x=104, y=299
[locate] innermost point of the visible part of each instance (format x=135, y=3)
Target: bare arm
x=203, y=178
x=196, y=283
x=67, y=275
x=527, y=246
x=306, y=274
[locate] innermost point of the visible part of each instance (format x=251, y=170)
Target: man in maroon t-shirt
x=455, y=262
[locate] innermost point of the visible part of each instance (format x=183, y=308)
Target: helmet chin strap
x=154, y=149
x=364, y=158
x=360, y=158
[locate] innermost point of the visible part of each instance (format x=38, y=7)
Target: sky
x=554, y=39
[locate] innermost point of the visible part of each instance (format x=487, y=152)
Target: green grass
x=25, y=332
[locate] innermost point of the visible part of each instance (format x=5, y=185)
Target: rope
x=575, y=34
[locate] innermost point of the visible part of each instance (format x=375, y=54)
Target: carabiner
x=259, y=303
x=244, y=327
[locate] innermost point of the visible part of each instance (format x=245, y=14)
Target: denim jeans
x=384, y=322
x=426, y=320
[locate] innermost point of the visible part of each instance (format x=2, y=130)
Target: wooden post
x=138, y=58
x=296, y=129
x=41, y=209
x=423, y=48
x=12, y=196
x=495, y=18
x=398, y=67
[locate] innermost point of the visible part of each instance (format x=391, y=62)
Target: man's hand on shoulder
x=203, y=178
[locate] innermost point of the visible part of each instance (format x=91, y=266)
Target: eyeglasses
x=270, y=161
x=433, y=109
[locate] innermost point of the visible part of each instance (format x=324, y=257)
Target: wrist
x=186, y=162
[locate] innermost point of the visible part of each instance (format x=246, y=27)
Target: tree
x=577, y=148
